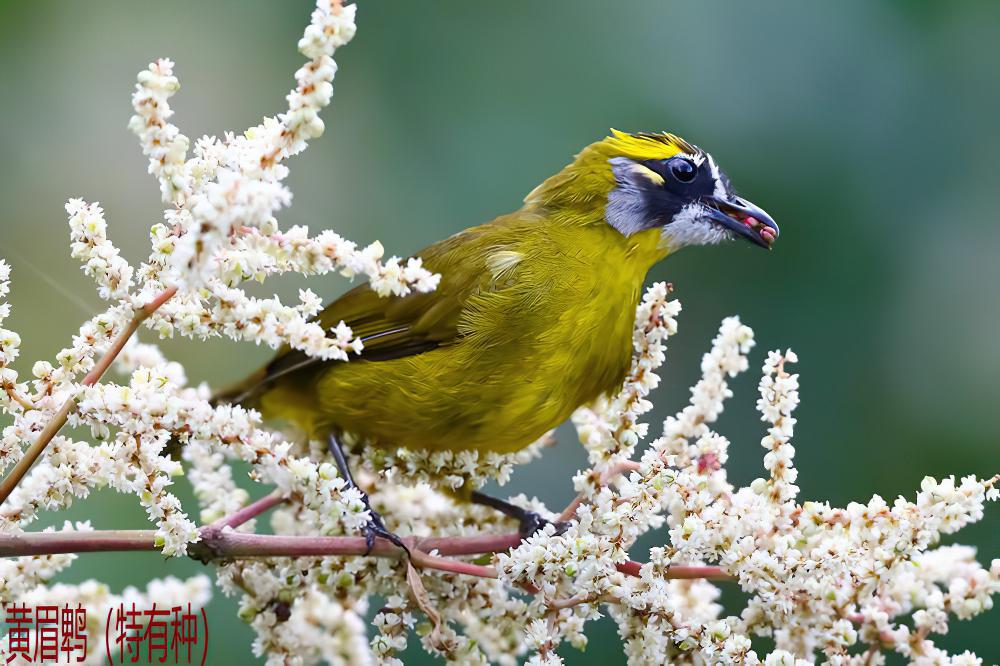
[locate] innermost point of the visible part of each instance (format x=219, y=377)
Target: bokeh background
x=867, y=129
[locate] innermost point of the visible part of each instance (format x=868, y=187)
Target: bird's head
x=657, y=181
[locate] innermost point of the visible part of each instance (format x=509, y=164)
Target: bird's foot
x=529, y=522
x=532, y=522
x=375, y=528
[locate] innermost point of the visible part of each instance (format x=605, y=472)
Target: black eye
x=681, y=169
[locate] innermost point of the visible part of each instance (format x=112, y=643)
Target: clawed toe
x=561, y=527
x=375, y=528
x=529, y=522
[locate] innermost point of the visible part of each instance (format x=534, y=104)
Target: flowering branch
x=59, y=418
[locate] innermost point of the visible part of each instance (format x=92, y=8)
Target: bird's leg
x=375, y=526
x=529, y=521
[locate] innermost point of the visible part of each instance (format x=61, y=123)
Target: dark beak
x=743, y=219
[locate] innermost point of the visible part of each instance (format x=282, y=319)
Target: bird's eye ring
x=682, y=169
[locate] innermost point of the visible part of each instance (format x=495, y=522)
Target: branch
x=250, y=511
x=59, y=418
x=632, y=568
x=572, y=602
x=219, y=543
x=12, y=393
x=56, y=543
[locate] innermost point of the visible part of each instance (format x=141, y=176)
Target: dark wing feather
x=390, y=327
x=397, y=326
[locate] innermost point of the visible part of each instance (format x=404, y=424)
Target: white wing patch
x=502, y=262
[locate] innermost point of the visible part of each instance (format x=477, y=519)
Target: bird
x=532, y=318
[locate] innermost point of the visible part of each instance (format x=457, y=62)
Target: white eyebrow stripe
x=720, y=189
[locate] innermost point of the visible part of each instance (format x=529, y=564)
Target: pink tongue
x=751, y=222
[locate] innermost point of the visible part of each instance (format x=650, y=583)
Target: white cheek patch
x=691, y=227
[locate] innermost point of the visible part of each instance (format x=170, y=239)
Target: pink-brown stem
x=59, y=418
x=571, y=602
x=250, y=511
x=423, y=560
x=57, y=543
x=217, y=542
x=677, y=572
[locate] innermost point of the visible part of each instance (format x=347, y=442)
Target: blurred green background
x=867, y=129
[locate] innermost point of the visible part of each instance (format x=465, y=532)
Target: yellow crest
x=646, y=145
x=589, y=178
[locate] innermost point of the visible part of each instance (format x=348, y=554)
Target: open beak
x=743, y=219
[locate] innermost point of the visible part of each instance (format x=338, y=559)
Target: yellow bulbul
x=532, y=318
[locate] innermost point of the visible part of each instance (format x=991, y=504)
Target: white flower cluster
x=219, y=230
x=845, y=585
x=821, y=580
x=393, y=622
x=448, y=469
x=610, y=429
x=12, y=393
x=151, y=408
